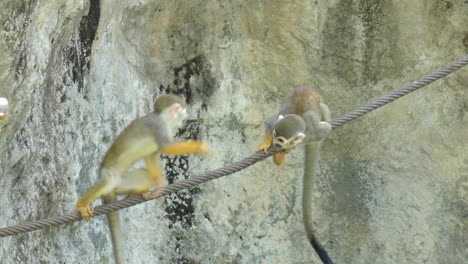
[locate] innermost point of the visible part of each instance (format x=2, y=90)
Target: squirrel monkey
x=145, y=138
x=302, y=115
x=303, y=118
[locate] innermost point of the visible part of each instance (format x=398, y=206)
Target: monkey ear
x=299, y=137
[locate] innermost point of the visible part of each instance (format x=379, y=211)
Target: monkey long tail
x=115, y=230
x=311, y=162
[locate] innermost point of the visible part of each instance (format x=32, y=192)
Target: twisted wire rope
x=234, y=167
x=400, y=92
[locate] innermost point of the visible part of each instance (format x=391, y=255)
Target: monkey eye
x=279, y=142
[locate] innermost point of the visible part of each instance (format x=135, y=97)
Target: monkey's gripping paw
x=264, y=146
x=279, y=158
x=205, y=149
x=153, y=194
x=146, y=195
x=159, y=185
x=86, y=212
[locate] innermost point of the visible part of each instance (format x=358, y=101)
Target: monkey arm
x=267, y=141
x=279, y=157
x=186, y=147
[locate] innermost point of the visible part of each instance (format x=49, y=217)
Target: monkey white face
x=284, y=143
x=288, y=131
x=176, y=114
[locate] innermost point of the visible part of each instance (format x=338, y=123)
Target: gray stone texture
x=392, y=187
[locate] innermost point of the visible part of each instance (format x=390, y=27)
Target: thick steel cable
x=401, y=92
x=235, y=167
x=134, y=200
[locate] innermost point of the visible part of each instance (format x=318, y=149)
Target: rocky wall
x=392, y=186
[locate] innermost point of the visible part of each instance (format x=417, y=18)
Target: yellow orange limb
x=266, y=142
x=95, y=191
x=186, y=147
x=279, y=158
x=152, y=165
x=159, y=181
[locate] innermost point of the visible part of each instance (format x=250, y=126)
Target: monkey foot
x=153, y=194
x=279, y=158
x=146, y=195
x=159, y=185
x=86, y=212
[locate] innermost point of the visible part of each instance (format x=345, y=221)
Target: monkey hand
x=159, y=183
x=85, y=211
x=264, y=146
x=279, y=158
x=205, y=149
x=267, y=141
